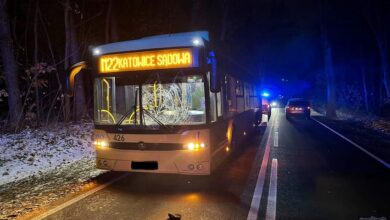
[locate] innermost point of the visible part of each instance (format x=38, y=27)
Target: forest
x=335, y=53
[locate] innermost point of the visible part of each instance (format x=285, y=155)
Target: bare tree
x=378, y=24
x=10, y=68
x=36, y=49
x=328, y=65
x=199, y=15
x=365, y=90
x=71, y=57
x=224, y=20
x=111, y=31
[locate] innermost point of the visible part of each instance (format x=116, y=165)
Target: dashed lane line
x=387, y=165
x=276, y=139
x=273, y=191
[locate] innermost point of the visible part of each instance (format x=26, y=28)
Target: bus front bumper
x=175, y=161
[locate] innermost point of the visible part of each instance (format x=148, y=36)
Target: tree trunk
x=365, y=91
x=330, y=82
x=114, y=29
x=72, y=57
x=328, y=68
x=196, y=14
x=385, y=68
x=67, y=102
x=10, y=68
x=108, y=21
x=226, y=7
x=35, y=79
x=377, y=22
x=111, y=25
x=79, y=103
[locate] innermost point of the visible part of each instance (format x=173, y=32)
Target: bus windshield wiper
x=126, y=115
x=130, y=111
x=154, y=118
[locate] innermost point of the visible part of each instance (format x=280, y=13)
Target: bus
x=161, y=105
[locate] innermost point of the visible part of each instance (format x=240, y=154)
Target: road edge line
x=355, y=144
x=78, y=198
x=272, y=191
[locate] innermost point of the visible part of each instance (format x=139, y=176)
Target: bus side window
x=248, y=96
x=213, y=110
x=213, y=115
x=219, y=104
x=240, y=97
x=231, y=96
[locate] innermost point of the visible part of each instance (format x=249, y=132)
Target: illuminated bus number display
x=147, y=60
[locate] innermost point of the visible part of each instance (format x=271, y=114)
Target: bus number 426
x=119, y=137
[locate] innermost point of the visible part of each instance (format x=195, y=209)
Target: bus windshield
x=173, y=100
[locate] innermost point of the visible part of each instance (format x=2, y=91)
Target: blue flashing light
x=265, y=94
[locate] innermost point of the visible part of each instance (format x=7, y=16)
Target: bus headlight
x=195, y=146
x=101, y=144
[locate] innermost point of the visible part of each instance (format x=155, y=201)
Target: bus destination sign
x=148, y=60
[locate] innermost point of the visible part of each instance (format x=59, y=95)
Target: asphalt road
x=322, y=176
x=318, y=176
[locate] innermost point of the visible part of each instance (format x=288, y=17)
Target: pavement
x=295, y=169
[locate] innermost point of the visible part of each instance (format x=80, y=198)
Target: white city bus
x=160, y=105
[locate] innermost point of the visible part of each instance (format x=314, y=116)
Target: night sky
x=276, y=43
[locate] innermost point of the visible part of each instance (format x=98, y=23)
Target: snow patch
x=36, y=151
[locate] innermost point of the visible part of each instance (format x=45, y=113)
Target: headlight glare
x=101, y=144
x=195, y=146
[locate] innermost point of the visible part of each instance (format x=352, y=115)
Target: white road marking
x=387, y=165
x=276, y=127
x=80, y=197
x=255, y=204
x=273, y=191
x=276, y=139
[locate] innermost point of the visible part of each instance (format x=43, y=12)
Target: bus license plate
x=144, y=165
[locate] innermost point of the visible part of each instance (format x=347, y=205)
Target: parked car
x=297, y=107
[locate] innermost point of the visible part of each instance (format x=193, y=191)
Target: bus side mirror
x=215, y=83
x=72, y=72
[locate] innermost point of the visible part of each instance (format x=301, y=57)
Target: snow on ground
x=378, y=124
x=40, y=166
x=36, y=151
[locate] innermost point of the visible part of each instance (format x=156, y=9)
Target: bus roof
x=186, y=39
